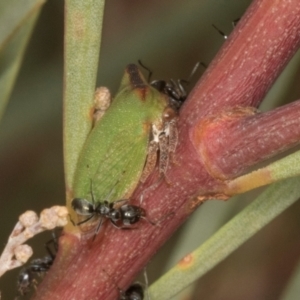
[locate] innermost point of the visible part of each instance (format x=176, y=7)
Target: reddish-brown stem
x=261, y=45
x=231, y=142
x=254, y=55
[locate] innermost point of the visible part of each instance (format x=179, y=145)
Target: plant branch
x=256, y=52
x=231, y=142
x=261, y=45
x=227, y=239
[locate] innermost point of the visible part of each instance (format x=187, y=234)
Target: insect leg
x=173, y=135
x=54, y=244
x=113, y=222
x=163, y=154
x=85, y=220
x=98, y=228
x=151, y=160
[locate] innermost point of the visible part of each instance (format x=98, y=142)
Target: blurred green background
x=169, y=36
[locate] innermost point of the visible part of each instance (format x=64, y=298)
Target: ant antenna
x=109, y=194
x=147, y=69
x=234, y=23
x=92, y=193
x=220, y=31
x=193, y=71
x=143, y=216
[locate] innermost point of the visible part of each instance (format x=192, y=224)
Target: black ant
x=120, y=216
x=27, y=275
x=126, y=214
x=174, y=89
x=37, y=267
x=135, y=290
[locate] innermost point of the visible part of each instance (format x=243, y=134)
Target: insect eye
x=159, y=85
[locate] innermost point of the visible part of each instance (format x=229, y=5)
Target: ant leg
x=98, y=228
x=149, y=221
x=121, y=227
x=151, y=187
x=234, y=22
x=146, y=284
x=121, y=292
x=115, y=224
x=159, y=221
x=54, y=244
x=85, y=220
x=92, y=193
x=74, y=224
x=55, y=238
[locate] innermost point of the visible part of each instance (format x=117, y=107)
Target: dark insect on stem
x=37, y=268
x=136, y=291
x=176, y=90
x=121, y=216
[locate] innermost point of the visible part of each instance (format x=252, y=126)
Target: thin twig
x=15, y=254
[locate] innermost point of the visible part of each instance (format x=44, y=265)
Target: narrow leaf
x=282, y=169
x=274, y=200
x=17, y=21
x=83, y=24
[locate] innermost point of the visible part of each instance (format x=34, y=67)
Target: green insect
x=122, y=148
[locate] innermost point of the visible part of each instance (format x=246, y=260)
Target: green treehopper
x=125, y=141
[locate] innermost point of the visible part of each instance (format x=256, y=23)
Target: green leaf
x=83, y=27
x=281, y=169
x=17, y=19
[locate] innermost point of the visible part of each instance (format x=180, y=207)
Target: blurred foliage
x=16, y=24
x=169, y=36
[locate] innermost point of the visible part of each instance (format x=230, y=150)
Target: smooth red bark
x=261, y=45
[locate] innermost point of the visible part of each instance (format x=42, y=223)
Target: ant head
x=159, y=85
x=134, y=292
x=82, y=206
x=25, y=279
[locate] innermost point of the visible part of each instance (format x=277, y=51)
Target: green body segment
x=115, y=152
